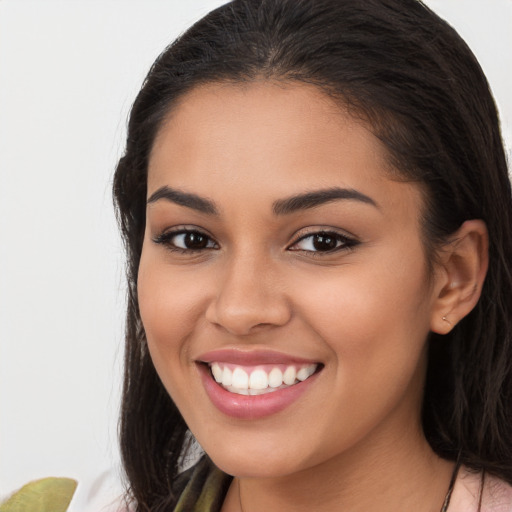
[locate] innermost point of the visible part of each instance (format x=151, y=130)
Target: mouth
x=257, y=384
x=261, y=379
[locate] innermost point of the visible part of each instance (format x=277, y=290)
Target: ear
x=460, y=275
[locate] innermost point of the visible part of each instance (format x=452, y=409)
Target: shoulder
x=473, y=489
x=497, y=495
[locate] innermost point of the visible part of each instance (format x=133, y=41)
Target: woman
x=317, y=213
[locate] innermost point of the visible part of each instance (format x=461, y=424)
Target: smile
x=251, y=385
x=260, y=379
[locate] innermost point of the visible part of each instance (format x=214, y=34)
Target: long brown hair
x=409, y=74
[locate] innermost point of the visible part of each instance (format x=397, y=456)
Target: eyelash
x=166, y=239
x=343, y=242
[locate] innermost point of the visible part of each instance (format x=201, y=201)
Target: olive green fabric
x=45, y=495
x=202, y=488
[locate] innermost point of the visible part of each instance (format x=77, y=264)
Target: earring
x=447, y=321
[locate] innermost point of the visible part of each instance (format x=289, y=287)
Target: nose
x=249, y=297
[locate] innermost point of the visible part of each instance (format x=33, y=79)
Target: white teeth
x=227, y=377
x=275, y=378
x=304, y=373
x=240, y=379
x=258, y=380
x=289, y=375
x=257, y=392
x=217, y=372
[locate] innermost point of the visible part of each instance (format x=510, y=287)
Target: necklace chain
x=448, y=496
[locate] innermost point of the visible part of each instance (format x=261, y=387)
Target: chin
x=258, y=460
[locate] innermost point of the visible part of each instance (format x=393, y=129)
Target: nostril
x=241, y=321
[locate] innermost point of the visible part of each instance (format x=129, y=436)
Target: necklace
x=448, y=496
x=444, y=508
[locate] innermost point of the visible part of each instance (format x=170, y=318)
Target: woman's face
x=277, y=246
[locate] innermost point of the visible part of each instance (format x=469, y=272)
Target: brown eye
x=323, y=241
x=186, y=240
x=194, y=240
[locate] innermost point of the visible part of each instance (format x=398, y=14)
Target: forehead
x=265, y=137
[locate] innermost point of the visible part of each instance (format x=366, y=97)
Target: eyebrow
x=317, y=198
x=187, y=199
x=279, y=207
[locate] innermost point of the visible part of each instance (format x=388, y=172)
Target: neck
x=400, y=474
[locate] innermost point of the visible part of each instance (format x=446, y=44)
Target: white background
x=69, y=71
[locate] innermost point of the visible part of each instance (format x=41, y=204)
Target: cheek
x=169, y=303
x=375, y=319
x=375, y=325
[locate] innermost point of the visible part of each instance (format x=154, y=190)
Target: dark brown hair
x=408, y=73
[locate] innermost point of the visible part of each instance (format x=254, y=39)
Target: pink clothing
x=496, y=495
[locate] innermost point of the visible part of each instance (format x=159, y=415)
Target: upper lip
x=251, y=357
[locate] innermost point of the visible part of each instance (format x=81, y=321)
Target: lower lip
x=249, y=407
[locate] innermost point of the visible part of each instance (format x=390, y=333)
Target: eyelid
x=164, y=238
x=349, y=240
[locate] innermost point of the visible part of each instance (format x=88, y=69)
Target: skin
x=353, y=441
